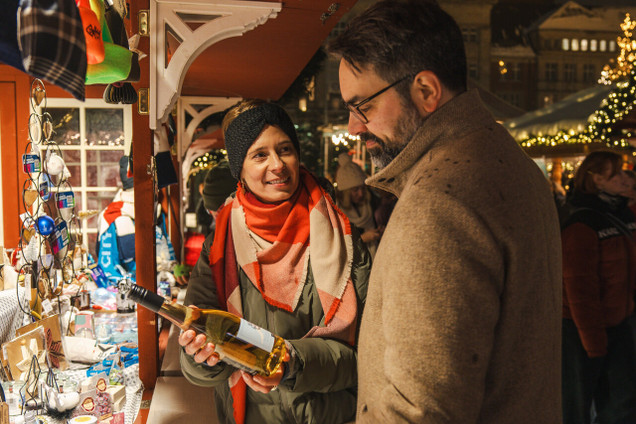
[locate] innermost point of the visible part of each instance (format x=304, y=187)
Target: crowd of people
x=445, y=288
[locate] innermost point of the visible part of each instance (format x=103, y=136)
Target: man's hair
x=396, y=38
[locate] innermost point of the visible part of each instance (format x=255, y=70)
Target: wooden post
x=143, y=174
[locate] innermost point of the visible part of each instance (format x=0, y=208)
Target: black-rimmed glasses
x=355, y=107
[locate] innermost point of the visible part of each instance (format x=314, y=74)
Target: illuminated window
x=584, y=45
x=593, y=45
x=612, y=46
x=565, y=44
x=92, y=136
x=603, y=45
x=575, y=45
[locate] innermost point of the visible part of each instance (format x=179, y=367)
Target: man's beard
x=404, y=130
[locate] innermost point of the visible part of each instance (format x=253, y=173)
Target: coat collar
x=461, y=114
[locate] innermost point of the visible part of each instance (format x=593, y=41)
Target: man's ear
x=427, y=92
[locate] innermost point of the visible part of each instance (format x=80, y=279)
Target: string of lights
x=614, y=108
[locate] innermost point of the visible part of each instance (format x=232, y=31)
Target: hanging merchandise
x=52, y=43
x=120, y=64
x=92, y=33
x=120, y=92
x=166, y=174
x=47, y=235
x=9, y=49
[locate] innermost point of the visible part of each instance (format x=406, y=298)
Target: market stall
x=156, y=55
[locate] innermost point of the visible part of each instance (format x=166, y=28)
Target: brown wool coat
x=463, y=316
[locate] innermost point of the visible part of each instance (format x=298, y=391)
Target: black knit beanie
x=245, y=129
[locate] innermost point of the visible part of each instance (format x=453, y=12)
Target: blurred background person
x=357, y=201
x=217, y=186
x=599, y=275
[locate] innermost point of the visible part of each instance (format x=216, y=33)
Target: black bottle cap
x=145, y=297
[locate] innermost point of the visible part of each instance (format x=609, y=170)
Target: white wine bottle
x=237, y=341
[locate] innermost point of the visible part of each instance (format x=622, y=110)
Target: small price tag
x=46, y=305
x=27, y=287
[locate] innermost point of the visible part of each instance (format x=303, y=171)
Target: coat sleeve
x=439, y=301
x=328, y=365
x=202, y=293
x=582, y=286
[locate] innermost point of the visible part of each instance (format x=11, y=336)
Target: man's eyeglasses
x=355, y=107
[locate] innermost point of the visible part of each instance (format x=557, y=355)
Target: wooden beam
x=14, y=116
x=143, y=152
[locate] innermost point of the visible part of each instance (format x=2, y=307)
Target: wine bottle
x=237, y=341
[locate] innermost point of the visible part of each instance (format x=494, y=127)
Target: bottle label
x=255, y=335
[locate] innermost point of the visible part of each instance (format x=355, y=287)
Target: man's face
x=391, y=124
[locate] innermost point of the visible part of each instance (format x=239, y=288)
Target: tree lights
x=613, y=109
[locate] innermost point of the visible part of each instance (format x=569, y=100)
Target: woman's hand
x=195, y=345
x=258, y=383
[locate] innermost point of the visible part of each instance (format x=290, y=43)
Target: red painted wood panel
x=144, y=219
x=14, y=116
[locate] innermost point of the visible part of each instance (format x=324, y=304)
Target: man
x=463, y=315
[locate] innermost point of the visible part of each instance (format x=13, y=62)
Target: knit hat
x=246, y=127
x=126, y=181
x=218, y=185
x=349, y=174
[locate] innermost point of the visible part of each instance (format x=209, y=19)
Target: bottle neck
x=174, y=312
x=146, y=298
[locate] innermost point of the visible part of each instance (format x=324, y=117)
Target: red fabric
x=113, y=211
x=598, y=283
x=193, y=247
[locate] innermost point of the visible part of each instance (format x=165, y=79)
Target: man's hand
x=195, y=345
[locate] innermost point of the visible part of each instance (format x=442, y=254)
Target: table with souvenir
x=69, y=342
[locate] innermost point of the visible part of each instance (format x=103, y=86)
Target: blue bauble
x=45, y=225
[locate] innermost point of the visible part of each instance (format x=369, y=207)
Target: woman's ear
x=427, y=92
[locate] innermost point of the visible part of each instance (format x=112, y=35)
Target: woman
x=301, y=275
x=599, y=274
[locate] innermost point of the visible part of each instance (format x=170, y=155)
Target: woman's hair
x=237, y=109
x=343, y=197
x=596, y=163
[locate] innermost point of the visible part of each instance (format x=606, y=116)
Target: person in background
x=599, y=283
x=116, y=233
x=463, y=315
x=357, y=201
x=556, y=178
x=217, y=185
x=283, y=257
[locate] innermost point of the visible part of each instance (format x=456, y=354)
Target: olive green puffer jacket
x=323, y=390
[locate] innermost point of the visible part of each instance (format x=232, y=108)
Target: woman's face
x=616, y=184
x=271, y=169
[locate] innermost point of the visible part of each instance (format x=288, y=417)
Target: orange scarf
x=308, y=225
